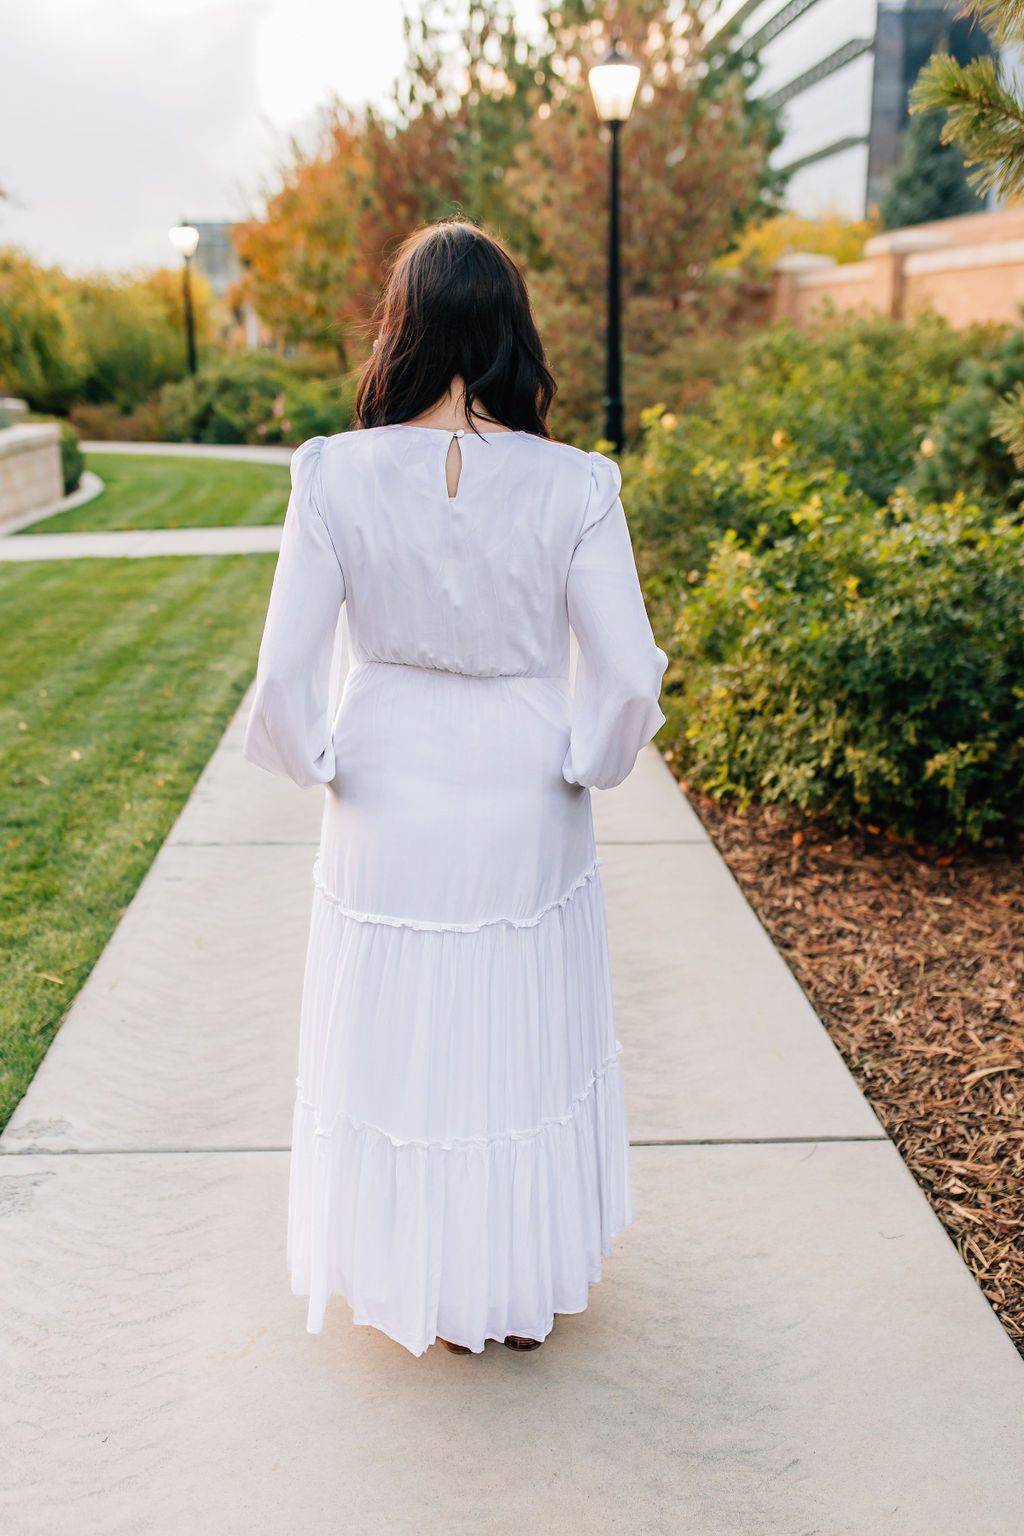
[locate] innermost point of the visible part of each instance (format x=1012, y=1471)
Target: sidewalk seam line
x=695, y=1141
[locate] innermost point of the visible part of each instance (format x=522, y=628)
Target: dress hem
x=525, y=1332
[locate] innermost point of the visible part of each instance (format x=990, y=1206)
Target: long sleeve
x=615, y=708
x=289, y=727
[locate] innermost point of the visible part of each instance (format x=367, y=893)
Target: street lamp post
x=613, y=83
x=185, y=237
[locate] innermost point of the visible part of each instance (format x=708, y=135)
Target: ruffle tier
x=460, y=1159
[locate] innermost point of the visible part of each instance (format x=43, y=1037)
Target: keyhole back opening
x=453, y=464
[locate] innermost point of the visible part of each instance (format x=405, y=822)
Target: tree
x=303, y=265
x=983, y=101
x=415, y=177
x=986, y=119
x=501, y=130
x=132, y=332
x=695, y=159
x=930, y=179
x=41, y=356
x=484, y=79
x=315, y=259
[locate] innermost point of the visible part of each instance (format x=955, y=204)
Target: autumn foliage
x=501, y=129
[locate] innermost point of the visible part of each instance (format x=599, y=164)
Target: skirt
x=460, y=1158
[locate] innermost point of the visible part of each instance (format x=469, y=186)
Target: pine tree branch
x=1003, y=19
x=1007, y=423
x=985, y=118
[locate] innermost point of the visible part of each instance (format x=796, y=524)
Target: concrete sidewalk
x=242, y=453
x=785, y=1342
x=141, y=543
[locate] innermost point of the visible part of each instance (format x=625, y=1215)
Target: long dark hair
x=455, y=303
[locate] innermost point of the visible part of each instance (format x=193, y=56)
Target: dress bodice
x=486, y=583
x=470, y=583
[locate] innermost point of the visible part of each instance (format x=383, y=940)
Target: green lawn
x=160, y=491
x=118, y=679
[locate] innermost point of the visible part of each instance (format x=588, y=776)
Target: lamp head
x=184, y=238
x=613, y=82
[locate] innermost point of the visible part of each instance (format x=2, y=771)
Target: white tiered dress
x=460, y=1160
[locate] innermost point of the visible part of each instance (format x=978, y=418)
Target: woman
x=460, y=1159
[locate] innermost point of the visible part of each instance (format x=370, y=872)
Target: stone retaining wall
x=30, y=469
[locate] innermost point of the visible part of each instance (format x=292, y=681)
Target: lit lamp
x=185, y=237
x=613, y=83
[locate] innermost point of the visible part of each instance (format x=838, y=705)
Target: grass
x=119, y=677
x=161, y=491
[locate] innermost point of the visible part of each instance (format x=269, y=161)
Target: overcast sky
x=118, y=117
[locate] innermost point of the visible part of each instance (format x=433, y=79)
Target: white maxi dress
x=459, y=1160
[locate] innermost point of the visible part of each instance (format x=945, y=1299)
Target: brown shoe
x=516, y=1341
x=456, y=1349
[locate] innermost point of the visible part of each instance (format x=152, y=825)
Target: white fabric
x=459, y=1160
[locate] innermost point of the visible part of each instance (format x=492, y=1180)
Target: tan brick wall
x=980, y=289
x=856, y=285
x=966, y=269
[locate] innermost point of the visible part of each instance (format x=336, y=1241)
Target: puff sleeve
x=615, y=709
x=289, y=726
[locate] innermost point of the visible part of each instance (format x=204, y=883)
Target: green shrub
x=827, y=651
x=682, y=498
x=965, y=453
x=72, y=459
x=312, y=406
x=859, y=393
x=869, y=665
x=255, y=397
x=854, y=396
x=107, y=423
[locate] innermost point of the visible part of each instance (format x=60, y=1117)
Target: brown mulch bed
x=914, y=962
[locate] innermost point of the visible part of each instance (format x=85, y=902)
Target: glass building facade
x=840, y=71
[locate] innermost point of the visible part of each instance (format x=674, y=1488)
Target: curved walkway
x=243, y=453
x=140, y=544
